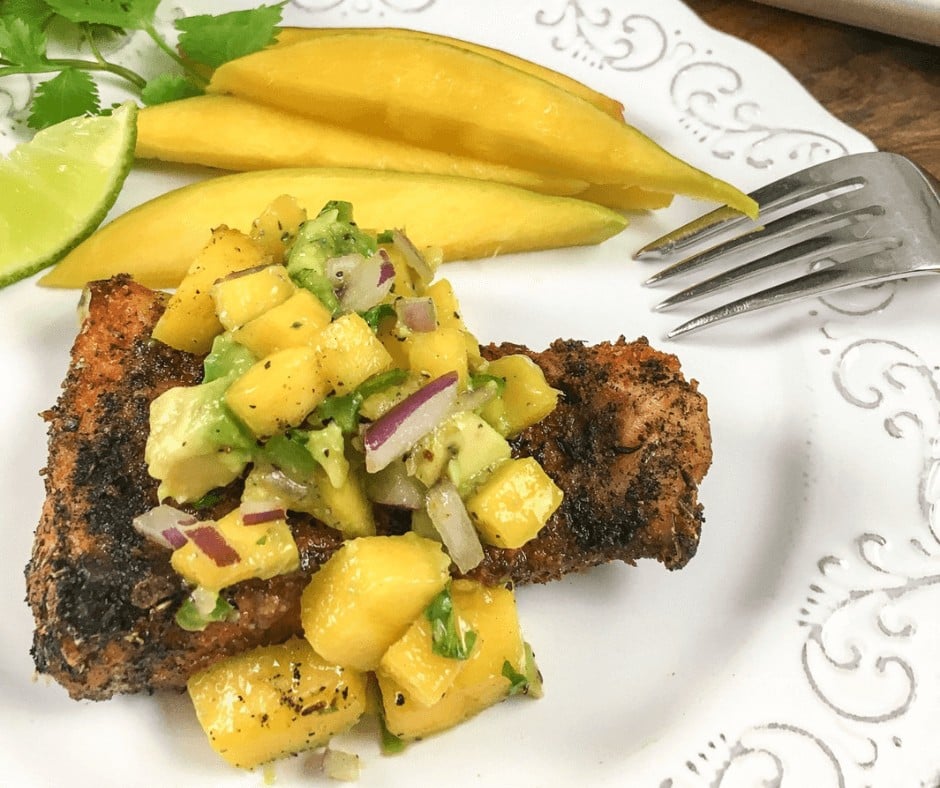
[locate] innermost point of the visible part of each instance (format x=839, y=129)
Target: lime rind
x=57, y=188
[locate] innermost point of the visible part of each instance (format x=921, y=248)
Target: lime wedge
x=58, y=187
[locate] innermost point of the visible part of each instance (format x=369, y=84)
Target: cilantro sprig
x=204, y=41
x=447, y=638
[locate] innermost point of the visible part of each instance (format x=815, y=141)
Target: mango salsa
x=482, y=679
x=274, y=701
x=367, y=595
x=264, y=550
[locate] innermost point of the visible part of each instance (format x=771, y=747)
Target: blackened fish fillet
x=628, y=444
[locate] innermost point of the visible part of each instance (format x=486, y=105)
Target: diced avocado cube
x=327, y=446
x=227, y=359
x=463, y=447
x=195, y=443
x=513, y=504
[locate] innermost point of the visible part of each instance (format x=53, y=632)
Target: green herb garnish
x=446, y=639
x=481, y=379
x=377, y=314
x=518, y=683
x=189, y=618
x=344, y=410
x=205, y=39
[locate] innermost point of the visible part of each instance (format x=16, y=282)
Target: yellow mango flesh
x=367, y=594
x=491, y=613
x=513, y=504
x=526, y=399
x=232, y=133
x=275, y=701
x=278, y=391
x=264, y=551
x=296, y=322
x=440, y=96
x=349, y=353
x=190, y=322
x=291, y=35
x=465, y=218
x=435, y=353
x=277, y=226
x=412, y=663
x=244, y=296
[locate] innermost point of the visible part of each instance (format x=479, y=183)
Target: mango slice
x=440, y=96
x=236, y=134
x=291, y=35
x=464, y=217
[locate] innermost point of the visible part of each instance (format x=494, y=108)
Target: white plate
x=799, y=647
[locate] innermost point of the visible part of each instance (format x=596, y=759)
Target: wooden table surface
x=885, y=87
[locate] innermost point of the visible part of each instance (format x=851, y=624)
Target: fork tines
x=857, y=220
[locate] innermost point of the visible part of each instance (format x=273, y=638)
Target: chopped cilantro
x=189, y=618
x=518, y=683
x=377, y=314
x=446, y=638
x=344, y=410
x=481, y=379
x=208, y=500
x=289, y=453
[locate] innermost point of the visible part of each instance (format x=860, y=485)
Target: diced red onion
x=418, y=314
x=392, y=486
x=164, y=525
x=404, y=425
x=208, y=539
x=341, y=766
x=258, y=512
x=413, y=258
x=387, y=270
x=450, y=518
x=204, y=599
x=361, y=282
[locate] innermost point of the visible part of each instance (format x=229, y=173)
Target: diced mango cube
x=264, y=550
x=526, y=399
x=350, y=353
x=274, y=701
x=278, y=391
x=366, y=595
x=296, y=322
x=413, y=664
x=448, y=316
x=278, y=224
x=345, y=507
x=435, y=353
x=189, y=321
x=404, y=279
x=480, y=682
x=513, y=504
x=244, y=295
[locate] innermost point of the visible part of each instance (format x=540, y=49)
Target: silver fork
x=857, y=220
